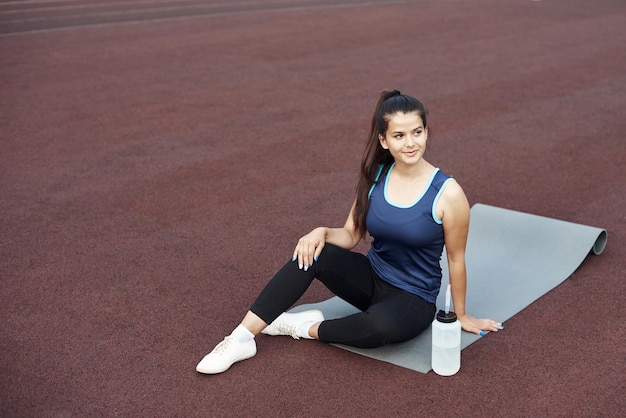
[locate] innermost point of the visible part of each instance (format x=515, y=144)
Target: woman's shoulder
x=453, y=200
x=453, y=189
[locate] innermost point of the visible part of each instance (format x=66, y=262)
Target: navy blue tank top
x=408, y=240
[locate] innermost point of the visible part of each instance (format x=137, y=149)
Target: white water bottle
x=446, y=352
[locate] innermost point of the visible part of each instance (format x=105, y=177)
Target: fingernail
x=483, y=333
x=293, y=259
x=300, y=266
x=306, y=268
x=316, y=258
x=501, y=326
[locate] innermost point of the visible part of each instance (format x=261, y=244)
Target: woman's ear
x=383, y=141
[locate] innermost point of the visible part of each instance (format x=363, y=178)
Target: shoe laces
x=223, y=346
x=288, y=329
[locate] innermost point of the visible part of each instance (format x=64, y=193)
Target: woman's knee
x=330, y=253
x=333, y=258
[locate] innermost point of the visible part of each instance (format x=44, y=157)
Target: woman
x=411, y=209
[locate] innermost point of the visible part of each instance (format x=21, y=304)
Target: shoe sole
x=217, y=371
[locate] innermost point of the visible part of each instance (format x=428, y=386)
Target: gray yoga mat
x=512, y=259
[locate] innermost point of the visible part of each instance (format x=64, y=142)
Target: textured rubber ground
x=156, y=168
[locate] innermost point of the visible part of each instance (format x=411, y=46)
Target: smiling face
x=405, y=137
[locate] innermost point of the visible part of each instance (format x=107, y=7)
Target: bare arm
x=310, y=246
x=455, y=217
x=455, y=214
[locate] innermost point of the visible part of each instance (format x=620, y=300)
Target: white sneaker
x=290, y=323
x=226, y=353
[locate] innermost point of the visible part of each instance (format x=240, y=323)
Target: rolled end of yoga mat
x=600, y=243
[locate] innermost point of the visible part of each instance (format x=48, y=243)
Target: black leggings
x=389, y=315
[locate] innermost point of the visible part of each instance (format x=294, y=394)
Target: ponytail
x=375, y=156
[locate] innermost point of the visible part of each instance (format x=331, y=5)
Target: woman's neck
x=419, y=170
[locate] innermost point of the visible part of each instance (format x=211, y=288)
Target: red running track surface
x=159, y=160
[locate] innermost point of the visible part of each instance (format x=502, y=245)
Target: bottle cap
x=446, y=318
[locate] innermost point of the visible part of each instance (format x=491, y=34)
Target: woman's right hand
x=309, y=248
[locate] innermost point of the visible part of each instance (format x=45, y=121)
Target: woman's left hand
x=479, y=326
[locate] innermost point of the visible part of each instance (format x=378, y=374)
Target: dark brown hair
x=375, y=156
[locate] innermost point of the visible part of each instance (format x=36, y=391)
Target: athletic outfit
x=395, y=285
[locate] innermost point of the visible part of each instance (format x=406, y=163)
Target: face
x=405, y=138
